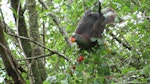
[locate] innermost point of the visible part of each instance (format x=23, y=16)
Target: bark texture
x=38, y=68
x=12, y=67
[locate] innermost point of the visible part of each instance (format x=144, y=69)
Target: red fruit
x=80, y=58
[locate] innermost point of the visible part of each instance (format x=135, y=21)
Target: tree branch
x=123, y=44
x=6, y=28
x=52, y=51
x=12, y=67
x=37, y=57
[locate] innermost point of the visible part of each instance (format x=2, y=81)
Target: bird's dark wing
x=86, y=23
x=98, y=27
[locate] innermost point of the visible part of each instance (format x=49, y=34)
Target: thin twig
x=123, y=44
x=117, y=39
x=18, y=9
x=37, y=57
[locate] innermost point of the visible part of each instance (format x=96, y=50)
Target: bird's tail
x=111, y=16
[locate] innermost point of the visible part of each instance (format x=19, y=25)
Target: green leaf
x=64, y=82
x=93, y=39
x=14, y=12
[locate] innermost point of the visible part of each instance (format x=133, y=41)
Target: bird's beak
x=72, y=39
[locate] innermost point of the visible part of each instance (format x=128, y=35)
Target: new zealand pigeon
x=91, y=27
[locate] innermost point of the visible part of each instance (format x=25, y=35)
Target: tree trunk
x=37, y=66
x=11, y=65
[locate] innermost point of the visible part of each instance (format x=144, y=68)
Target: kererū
x=91, y=26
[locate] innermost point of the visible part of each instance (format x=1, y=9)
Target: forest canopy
x=35, y=46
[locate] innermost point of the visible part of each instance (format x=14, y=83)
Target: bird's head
x=76, y=38
x=72, y=39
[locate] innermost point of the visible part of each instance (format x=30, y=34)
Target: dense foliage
x=110, y=62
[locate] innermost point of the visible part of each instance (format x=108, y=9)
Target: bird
x=91, y=26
